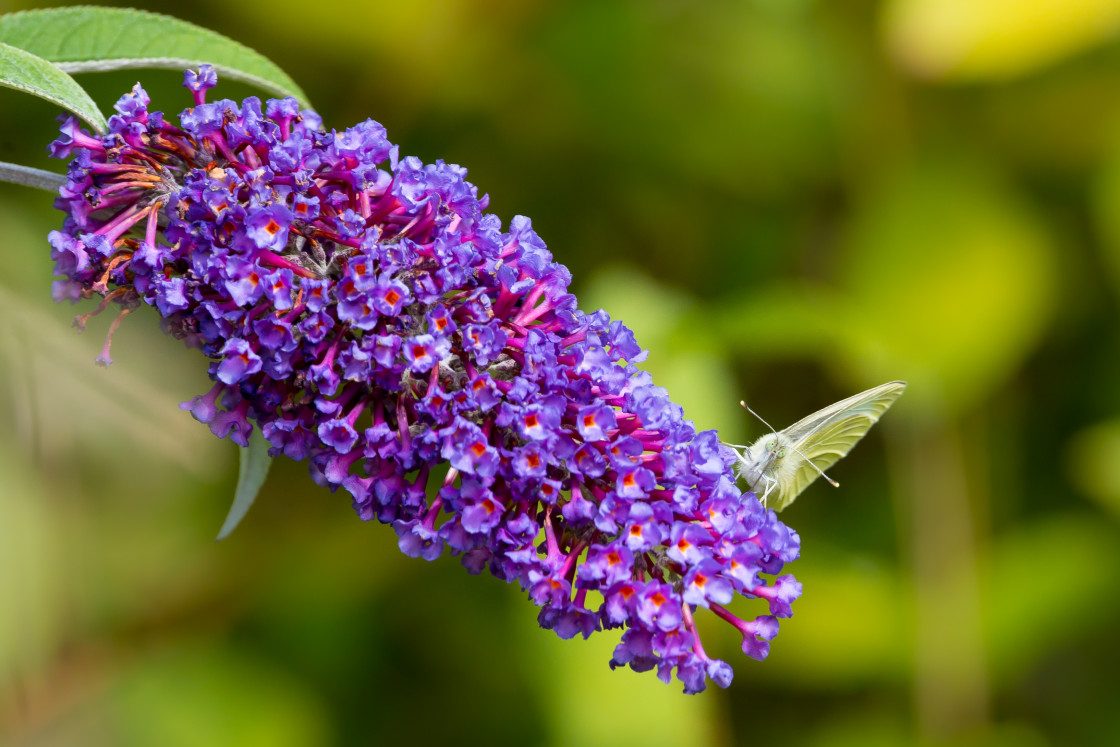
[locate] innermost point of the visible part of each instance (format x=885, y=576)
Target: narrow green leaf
x=86, y=39
x=255, y=462
x=25, y=72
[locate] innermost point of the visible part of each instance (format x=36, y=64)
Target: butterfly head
x=774, y=445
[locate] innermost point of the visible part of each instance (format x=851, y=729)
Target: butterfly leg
x=770, y=484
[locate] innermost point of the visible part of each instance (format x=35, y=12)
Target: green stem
x=29, y=177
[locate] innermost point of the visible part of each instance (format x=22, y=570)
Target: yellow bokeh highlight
x=993, y=39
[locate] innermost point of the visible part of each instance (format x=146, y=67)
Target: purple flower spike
x=367, y=314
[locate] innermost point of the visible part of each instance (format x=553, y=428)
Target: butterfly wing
x=828, y=435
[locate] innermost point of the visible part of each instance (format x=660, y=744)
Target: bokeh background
x=790, y=201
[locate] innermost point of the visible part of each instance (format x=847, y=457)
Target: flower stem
x=29, y=177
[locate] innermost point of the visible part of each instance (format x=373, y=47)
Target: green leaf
x=86, y=39
x=255, y=462
x=25, y=72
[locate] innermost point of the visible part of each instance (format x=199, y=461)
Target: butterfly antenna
x=752, y=412
x=831, y=482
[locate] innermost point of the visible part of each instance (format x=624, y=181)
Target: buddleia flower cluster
x=368, y=315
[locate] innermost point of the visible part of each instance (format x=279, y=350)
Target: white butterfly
x=785, y=462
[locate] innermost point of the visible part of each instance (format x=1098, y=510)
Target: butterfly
x=783, y=463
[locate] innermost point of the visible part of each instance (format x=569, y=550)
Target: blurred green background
x=789, y=201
